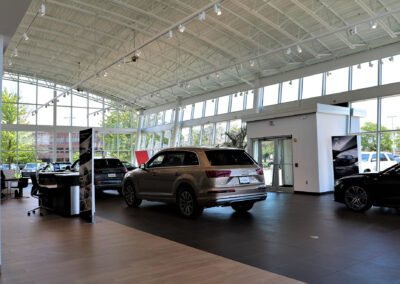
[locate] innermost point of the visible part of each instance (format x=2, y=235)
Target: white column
x=175, y=129
x=138, y=136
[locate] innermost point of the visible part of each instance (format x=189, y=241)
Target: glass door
x=275, y=156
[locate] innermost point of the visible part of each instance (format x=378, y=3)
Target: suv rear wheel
x=242, y=207
x=187, y=203
x=129, y=194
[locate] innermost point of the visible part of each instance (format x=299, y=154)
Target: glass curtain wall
x=31, y=102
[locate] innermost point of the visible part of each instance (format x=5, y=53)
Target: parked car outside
x=108, y=173
x=21, y=166
x=30, y=169
x=360, y=192
x=368, y=161
x=128, y=166
x=56, y=167
x=397, y=158
x=195, y=178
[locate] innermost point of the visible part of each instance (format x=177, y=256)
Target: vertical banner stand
x=86, y=175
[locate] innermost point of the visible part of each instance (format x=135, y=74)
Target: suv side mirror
x=142, y=166
x=68, y=168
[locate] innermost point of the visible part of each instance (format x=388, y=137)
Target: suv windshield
x=228, y=158
x=30, y=166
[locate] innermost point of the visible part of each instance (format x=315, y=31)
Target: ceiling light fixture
x=359, y=66
x=371, y=64
x=170, y=34
x=252, y=63
x=42, y=10
x=391, y=59
x=217, y=75
x=15, y=52
x=373, y=25
x=288, y=51
x=202, y=16
x=25, y=36
x=290, y=82
x=353, y=30
x=299, y=49
x=181, y=28
x=138, y=52
x=105, y=74
x=9, y=62
x=217, y=10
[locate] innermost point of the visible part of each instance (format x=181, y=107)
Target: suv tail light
x=260, y=171
x=217, y=174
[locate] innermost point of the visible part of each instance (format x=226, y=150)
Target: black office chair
x=40, y=196
x=3, y=183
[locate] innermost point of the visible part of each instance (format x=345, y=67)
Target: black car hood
x=360, y=176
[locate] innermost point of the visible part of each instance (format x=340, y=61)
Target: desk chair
x=3, y=183
x=35, y=193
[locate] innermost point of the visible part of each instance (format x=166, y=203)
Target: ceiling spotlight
x=288, y=51
x=217, y=75
x=202, y=16
x=252, y=63
x=373, y=25
x=188, y=85
x=181, y=28
x=25, y=36
x=15, y=52
x=328, y=74
x=391, y=59
x=217, y=10
x=45, y=106
x=371, y=64
x=105, y=74
x=359, y=66
x=170, y=34
x=353, y=30
x=64, y=95
x=299, y=50
x=381, y=61
x=9, y=62
x=33, y=113
x=290, y=82
x=138, y=52
x=42, y=10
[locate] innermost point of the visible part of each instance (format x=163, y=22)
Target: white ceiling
x=78, y=38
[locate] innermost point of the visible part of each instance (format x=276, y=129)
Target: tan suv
x=197, y=177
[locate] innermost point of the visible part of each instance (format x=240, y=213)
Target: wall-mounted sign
x=86, y=174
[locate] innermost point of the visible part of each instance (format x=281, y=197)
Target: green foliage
x=237, y=138
x=369, y=141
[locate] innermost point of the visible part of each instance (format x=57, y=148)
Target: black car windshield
x=228, y=158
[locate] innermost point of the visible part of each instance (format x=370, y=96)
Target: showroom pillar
x=175, y=129
x=1, y=97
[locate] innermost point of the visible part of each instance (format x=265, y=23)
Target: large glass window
x=220, y=133
x=223, y=104
x=368, y=120
x=290, y=91
x=196, y=132
x=207, y=134
x=187, y=112
x=27, y=93
x=390, y=70
x=337, y=81
x=185, y=136
x=198, y=110
x=390, y=114
x=250, y=99
x=168, y=116
x=237, y=101
x=26, y=114
x=365, y=75
x=210, y=107
x=271, y=95
x=312, y=86
x=10, y=87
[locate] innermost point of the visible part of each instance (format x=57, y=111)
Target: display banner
x=141, y=157
x=345, y=152
x=86, y=175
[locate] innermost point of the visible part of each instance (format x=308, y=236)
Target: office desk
x=21, y=184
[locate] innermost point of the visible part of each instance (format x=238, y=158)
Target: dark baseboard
x=313, y=193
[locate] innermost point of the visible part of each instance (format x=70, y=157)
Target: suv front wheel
x=187, y=203
x=129, y=194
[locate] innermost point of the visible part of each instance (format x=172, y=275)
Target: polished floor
x=308, y=238
x=53, y=249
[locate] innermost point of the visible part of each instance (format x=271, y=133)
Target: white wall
x=303, y=127
x=328, y=125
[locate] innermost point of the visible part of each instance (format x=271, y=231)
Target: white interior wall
x=328, y=125
x=303, y=127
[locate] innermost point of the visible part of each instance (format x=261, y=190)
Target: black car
x=128, y=166
x=359, y=192
x=108, y=173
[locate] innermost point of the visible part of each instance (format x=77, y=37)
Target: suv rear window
x=107, y=163
x=228, y=158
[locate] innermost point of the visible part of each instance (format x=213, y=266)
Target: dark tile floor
x=309, y=238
